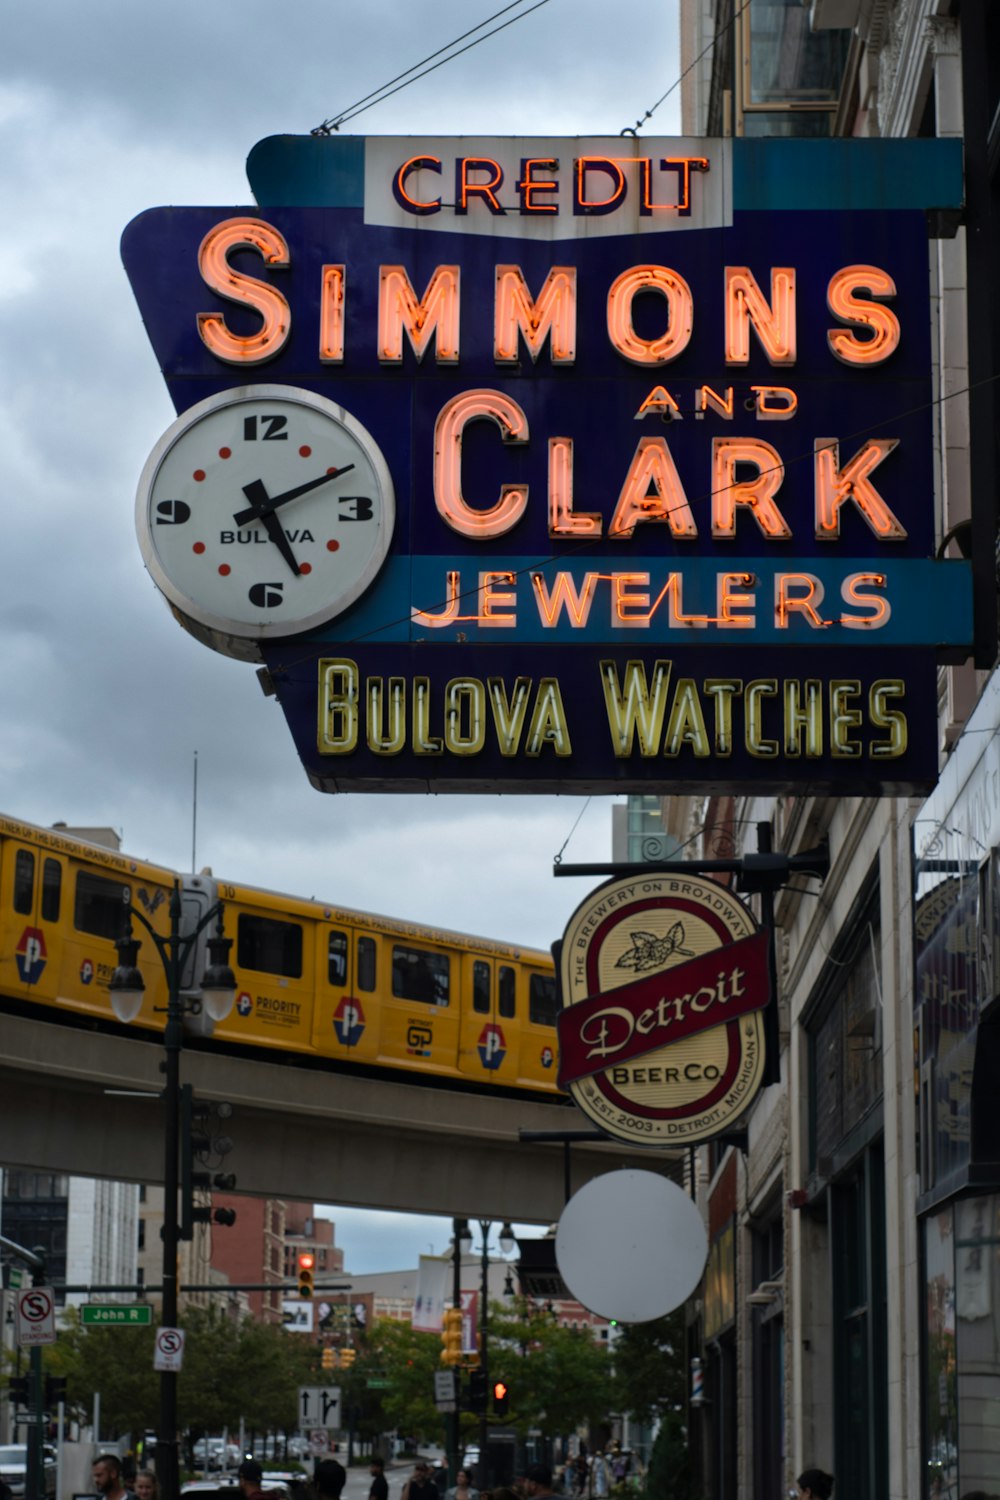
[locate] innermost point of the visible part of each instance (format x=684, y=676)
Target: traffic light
x=347, y=1358
x=307, y=1263
x=501, y=1397
x=329, y=1360
x=199, y=1140
x=55, y=1391
x=451, y=1336
x=18, y=1387
x=478, y=1393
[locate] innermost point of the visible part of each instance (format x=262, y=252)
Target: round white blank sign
x=631, y=1246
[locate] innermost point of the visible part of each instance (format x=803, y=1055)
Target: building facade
x=848, y=1315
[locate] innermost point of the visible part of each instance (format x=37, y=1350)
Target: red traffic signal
x=306, y=1263
x=501, y=1396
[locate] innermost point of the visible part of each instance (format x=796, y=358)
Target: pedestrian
x=538, y=1482
x=815, y=1485
x=248, y=1477
x=146, y=1486
x=463, y=1488
x=328, y=1480
x=600, y=1477
x=379, y=1489
x=420, y=1486
x=106, y=1474
x=580, y=1474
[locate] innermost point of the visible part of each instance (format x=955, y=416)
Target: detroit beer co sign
x=664, y=980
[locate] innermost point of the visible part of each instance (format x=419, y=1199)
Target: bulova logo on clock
x=664, y=979
x=263, y=512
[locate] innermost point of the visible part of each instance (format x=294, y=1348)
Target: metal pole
x=484, y=1355
x=167, y=1466
x=454, y=1417
x=35, y=1466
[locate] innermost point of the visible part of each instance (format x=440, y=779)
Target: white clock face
x=264, y=511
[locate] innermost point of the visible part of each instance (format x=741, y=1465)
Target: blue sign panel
x=656, y=436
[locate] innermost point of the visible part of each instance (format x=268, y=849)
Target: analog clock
x=263, y=512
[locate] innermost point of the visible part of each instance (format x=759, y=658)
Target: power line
x=632, y=129
x=402, y=80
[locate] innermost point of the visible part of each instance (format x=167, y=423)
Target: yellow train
x=315, y=982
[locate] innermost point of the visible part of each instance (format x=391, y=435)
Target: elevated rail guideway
x=297, y=1132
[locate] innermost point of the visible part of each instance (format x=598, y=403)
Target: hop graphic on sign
x=651, y=952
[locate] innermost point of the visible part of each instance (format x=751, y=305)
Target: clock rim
x=188, y=420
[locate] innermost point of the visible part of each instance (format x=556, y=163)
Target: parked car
x=14, y=1468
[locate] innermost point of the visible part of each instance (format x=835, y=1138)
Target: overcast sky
x=107, y=109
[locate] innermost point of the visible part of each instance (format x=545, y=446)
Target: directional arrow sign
x=319, y=1406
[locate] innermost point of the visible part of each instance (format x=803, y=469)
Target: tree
x=406, y=1360
x=558, y=1377
x=650, y=1367
x=117, y=1364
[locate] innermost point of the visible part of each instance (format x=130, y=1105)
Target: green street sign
x=377, y=1383
x=117, y=1314
x=15, y=1278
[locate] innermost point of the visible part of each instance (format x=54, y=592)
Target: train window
x=336, y=965
x=99, y=907
x=481, y=987
x=24, y=881
x=51, y=890
x=542, y=1000
x=268, y=945
x=507, y=992
x=418, y=975
x=366, y=964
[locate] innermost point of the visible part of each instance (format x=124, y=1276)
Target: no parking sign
x=169, y=1353
x=36, y=1316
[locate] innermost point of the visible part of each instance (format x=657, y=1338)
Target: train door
x=540, y=1007
x=31, y=907
x=95, y=902
x=346, y=1019
x=489, y=1041
x=274, y=962
x=419, y=990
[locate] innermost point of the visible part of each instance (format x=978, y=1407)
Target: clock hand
x=258, y=511
x=244, y=516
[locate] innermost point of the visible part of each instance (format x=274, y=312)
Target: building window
x=788, y=76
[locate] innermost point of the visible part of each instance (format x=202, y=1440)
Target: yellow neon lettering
x=509, y=714
x=765, y=397
x=843, y=719
x=660, y=401
x=686, y=725
x=454, y=417
x=884, y=717
x=706, y=399
x=634, y=707
x=804, y=719
x=758, y=746
x=624, y=600
x=548, y=721
x=723, y=690
x=244, y=291
x=464, y=701
x=337, y=731
x=424, y=743
x=386, y=739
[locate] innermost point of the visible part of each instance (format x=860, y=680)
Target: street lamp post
x=218, y=990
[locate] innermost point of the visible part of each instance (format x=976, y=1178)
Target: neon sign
x=638, y=400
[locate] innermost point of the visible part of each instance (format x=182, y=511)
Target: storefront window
x=962, y=1348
